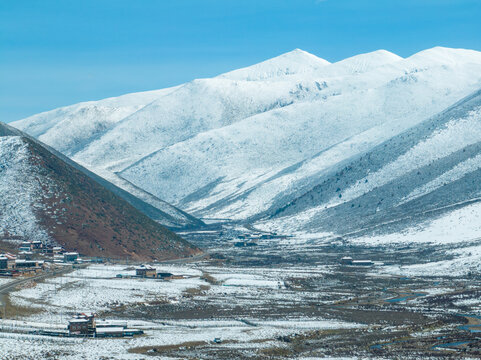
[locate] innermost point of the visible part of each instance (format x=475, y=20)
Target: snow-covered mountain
x=45, y=197
x=429, y=171
x=248, y=144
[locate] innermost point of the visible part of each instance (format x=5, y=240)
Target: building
x=26, y=255
x=78, y=326
x=3, y=263
x=37, y=245
x=110, y=332
x=20, y=263
x=164, y=275
x=10, y=260
x=91, y=321
x=146, y=271
x=26, y=245
x=362, y=262
x=57, y=250
x=7, y=261
x=82, y=324
x=70, y=257
x=111, y=323
x=85, y=324
x=245, y=243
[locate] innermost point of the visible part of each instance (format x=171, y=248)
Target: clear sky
x=56, y=53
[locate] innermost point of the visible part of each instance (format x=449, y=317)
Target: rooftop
x=145, y=267
x=78, y=320
x=110, y=330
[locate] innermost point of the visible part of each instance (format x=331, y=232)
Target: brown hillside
x=81, y=215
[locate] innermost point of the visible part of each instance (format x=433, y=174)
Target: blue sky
x=56, y=53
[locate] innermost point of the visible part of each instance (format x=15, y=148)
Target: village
x=36, y=261
x=34, y=257
x=227, y=304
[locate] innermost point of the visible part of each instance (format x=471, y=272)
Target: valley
x=294, y=208
x=283, y=297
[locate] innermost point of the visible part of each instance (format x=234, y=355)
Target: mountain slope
x=269, y=143
x=45, y=198
x=426, y=172
x=152, y=206
x=249, y=141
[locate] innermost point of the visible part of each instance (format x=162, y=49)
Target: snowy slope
x=20, y=192
x=428, y=171
x=270, y=142
x=246, y=143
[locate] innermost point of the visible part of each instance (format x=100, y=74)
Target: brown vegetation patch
x=86, y=217
x=158, y=350
x=13, y=311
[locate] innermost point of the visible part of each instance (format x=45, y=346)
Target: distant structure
x=85, y=324
x=362, y=263
x=164, y=275
x=245, y=243
x=82, y=324
x=78, y=327
x=57, y=250
x=347, y=260
x=70, y=257
x=26, y=246
x=10, y=265
x=36, y=245
x=7, y=261
x=146, y=271
x=3, y=262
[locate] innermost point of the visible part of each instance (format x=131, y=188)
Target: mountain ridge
x=191, y=145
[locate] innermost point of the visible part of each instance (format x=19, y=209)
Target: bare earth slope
x=43, y=197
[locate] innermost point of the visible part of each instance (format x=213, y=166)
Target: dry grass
x=191, y=292
x=12, y=311
x=209, y=278
x=158, y=301
x=275, y=352
x=156, y=350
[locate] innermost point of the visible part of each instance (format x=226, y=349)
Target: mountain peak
x=446, y=55
x=293, y=62
x=299, y=55
x=367, y=61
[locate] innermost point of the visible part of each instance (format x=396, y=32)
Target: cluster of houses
x=11, y=265
x=29, y=249
x=86, y=325
x=31, y=258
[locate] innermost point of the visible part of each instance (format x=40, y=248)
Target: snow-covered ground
x=29, y=346
x=4, y=281
x=458, y=226
x=96, y=289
